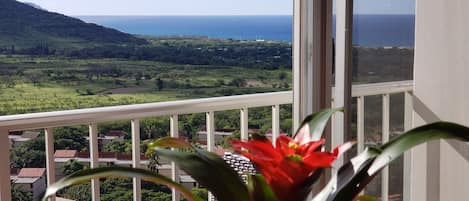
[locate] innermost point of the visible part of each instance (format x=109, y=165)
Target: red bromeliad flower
x=287, y=166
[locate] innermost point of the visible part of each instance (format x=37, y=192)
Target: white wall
x=441, y=169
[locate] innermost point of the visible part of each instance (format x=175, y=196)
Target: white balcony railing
x=93, y=116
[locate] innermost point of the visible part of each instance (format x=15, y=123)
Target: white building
x=31, y=180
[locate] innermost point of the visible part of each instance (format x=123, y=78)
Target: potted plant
x=288, y=170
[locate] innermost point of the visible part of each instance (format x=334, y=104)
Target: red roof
x=83, y=154
x=116, y=133
x=65, y=153
x=32, y=172
x=107, y=155
x=126, y=157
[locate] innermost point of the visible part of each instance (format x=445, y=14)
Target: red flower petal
x=259, y=149
x=319, y=159
x=310, y=147
x=283, y=145
x=339, y=150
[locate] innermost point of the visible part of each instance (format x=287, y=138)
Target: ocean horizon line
x=276, y=15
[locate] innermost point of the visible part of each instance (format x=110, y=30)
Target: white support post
x=275, y=123
x=137, y=182
x=385, y=138
x=5, y=186
x=210, y=121
x=50, y=163
x=94, y=160
x=312, y=57
x=174, y=130
x=210, y=131
x=408, y=124
x=299, y=108
x=244, y=124
x=360, y=124
x=343, y=72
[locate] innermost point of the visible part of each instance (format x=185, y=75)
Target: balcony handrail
x=93, y=116
x=105, y=114
x=382, y=88
x=372, y=89
x=125, y=112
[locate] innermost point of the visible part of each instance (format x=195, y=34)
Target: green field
x=37, y=84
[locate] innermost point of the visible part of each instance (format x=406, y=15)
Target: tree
x=24, y=158
x=138, y=76
x=155, y=196
x=29, y=154
x=191, y=124
x=34, y=77
x=201, y=192
x=80, y=192
x=282, y=76
x=71, y=167
x=154, y=128
x=238, y=82
x=19, y=194
x=159, y=84
x=119, y=146
x=70, y=138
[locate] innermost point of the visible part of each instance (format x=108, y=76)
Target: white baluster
x=210, y=121
x=385, y=138
x=94, y=160
x=50, y=163
x=408, y=124
x=360, y=123
x=174, y=129
x=244, y=124
x=275, y=123
x=137, y=183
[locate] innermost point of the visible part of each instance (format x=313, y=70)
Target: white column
x=5, y=186
x=385, y=139
x=174, y=129
x=137, y=183
x=244, y=124
x=210, y=121
x=50, y=163
x=275, y=123
x=94, y=160
x=408, y=120
x=312, y=57
x=343, y=71
x=360, y=124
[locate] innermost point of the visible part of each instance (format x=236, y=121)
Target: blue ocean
x=369, y=30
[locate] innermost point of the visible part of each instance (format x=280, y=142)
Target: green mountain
x=23, y=25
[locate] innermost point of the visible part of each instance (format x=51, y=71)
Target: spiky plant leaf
x=106, y=172
x=352, y=178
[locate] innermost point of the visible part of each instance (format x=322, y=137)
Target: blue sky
x=207, y=7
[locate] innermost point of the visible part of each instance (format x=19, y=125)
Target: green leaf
x=105, y=172
x=412, y=138
x=352, y=178
x=210, y=171
x=366, y=198
x=260, y=190
x=315, y=123
x=348, y=174
x=169, y=142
